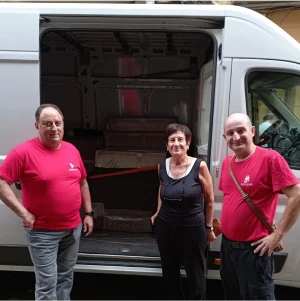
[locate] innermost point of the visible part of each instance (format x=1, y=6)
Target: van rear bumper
x=279, y=260
x=17, y=258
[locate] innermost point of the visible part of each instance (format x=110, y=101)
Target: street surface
x=20, y=286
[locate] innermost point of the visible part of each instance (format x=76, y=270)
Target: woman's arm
x=158, y=202
x=208, y=194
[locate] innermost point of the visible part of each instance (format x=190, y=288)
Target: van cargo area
x=118, y=90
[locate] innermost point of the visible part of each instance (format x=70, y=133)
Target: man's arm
x=290, y=215
x=9, y=199
x=292, y=209
x=88, y=223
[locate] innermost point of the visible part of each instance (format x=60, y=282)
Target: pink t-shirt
x=262, y=176
x=50, y=181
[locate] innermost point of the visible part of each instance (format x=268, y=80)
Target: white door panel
x=240, y=68
x=238, y=103
x=19, y=30
x=218, y=146
x=19, y=98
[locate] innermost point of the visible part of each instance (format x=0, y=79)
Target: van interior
x=118, y=90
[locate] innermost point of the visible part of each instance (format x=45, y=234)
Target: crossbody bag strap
x=247, y=199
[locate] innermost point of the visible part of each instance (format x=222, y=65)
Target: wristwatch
x=91, y=213
x=209, y=228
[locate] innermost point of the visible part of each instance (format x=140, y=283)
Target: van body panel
x=245, y=20
x=12, y=232
x=19, y=92
x=139, y=10
x=19, y=56
x=19, y=30
x=219, y=146
x=245, y=40
x=16, y=76
x=238, y=103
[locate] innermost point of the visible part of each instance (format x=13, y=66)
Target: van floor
x=119, y=243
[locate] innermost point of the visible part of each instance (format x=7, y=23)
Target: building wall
x=288, y=19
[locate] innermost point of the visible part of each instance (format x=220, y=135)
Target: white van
x=193, y=63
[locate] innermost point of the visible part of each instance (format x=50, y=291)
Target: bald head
x=237, y=118
x=239, y=133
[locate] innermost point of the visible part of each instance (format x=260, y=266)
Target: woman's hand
x=210, y=236
x=153, y=217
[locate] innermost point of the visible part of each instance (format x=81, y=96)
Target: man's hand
x=267, y=244
x=28, y=220
x=210, y=236
x=88, y=225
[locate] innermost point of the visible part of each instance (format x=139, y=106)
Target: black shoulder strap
x=247, y=199
x=196, y=168
x=162, y=169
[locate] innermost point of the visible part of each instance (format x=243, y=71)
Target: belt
x=238, y=244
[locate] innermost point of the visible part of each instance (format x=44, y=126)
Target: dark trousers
x=245, y=275
x=182, y=245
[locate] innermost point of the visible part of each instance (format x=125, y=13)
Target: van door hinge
x=220, y=51
x=44, y=20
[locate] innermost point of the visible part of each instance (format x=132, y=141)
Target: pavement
x=20, y=286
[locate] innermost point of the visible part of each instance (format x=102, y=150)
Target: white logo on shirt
x=72, y=167
x=247, y=179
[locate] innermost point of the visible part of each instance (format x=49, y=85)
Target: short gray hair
x=46, y=105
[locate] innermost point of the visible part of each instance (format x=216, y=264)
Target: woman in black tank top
x=182, y=229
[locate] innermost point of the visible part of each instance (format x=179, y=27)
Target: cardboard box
x=123, y=159
x=123, y=220
x=135, y=140
x=87, y=147
x=134, y=124
x=98, y=209
x=89, y=165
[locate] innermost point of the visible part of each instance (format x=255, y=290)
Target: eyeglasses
x=49, y=124
x=173, y=199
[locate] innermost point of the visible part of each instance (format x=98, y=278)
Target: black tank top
x=182, y=199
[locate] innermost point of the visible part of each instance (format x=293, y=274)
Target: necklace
x=177, y=173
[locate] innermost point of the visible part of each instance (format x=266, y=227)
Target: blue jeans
x=54, y=255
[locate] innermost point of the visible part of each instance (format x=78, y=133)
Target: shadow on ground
x=20, y=286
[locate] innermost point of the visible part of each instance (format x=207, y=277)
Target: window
x=274, y=108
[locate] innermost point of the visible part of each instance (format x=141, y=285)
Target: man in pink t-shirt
x=247, y=247
x=54, y=187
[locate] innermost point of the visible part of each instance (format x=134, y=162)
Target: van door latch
x=217, y=172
